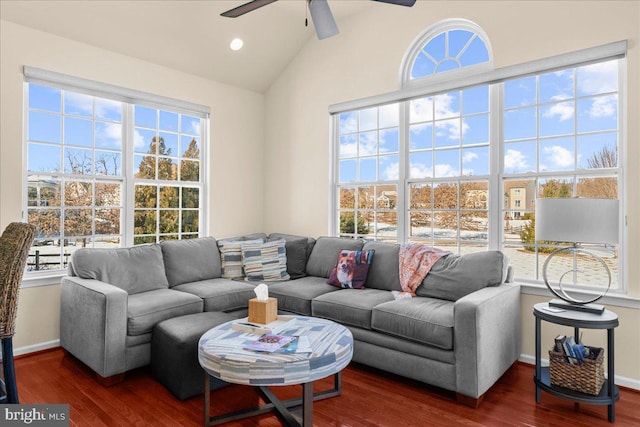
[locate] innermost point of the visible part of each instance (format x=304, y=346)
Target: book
x=299, y=345
x=568, y=350
x=275, y=327
x=268, y=343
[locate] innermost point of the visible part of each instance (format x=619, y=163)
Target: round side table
x=608, y=320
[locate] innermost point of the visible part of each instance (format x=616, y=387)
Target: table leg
x=207, y=399
x=307, y=404
x=538, y=372
x=610, y=376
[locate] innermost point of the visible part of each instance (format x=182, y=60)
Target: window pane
x=78, y=104
x=555, y=187
x=169, y=197
x=44, y=98
x=144, y=167
x=189, y=171
x=421, y=136
x=597, y=78
x=168, y=144
x=474, y=195
x=447, y=163
x=168, y=221
x=388, y=167
x=598, y=151
x=43, y=191
x=387, y=197
x=147, y=117
x=445, y=227
x=389, y=115
x=520, y=157
x=144, y=141
x=421, y=225
x=368, y=169
x=139, y=240
x=47, y=222
x=44, y=127
x=190, y=125
x=168, y=169
x=557, y=85
x=78, y=132
x=144, y=222
x=422, y=66
x=445, y=196
x=476, y=53
x=421, y=110
x=421, y=165
x=78, y=222
x=107, y=109
x=348, y=146
x=348, y=122
x=520, y=92
x=190, y=147
x=447, y=105
x=108, y=163
x=520, y=124
x=557, y=154
x=366, y=197
x=368, y=119
x=368, y=144
x=389, y=142
x=474, y=226
x=475, y=130
x=598, y=187
x=108, y=221
x=146, y=196
x=447, y=133
x=108, y=194
x=458, y=39
x=44, y=158
x=596, y=114
x=436, y=47
x=475, y=161
x=475, y=100
x=387, y=225
x=347, y=170
x=419, y=196
x=191, y=198
x=78, y=193
x=168, y=121
x=347, y=223
x=78, y=161
x=190, y=221
x=108, y=135
x=557, y=119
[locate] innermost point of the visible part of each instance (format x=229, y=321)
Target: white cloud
x=79, y=101
x=392, y=171
x=598, y=78
x=348, y=123
x=421, y=110
x=108, y=108
x=514, y=159
x=111, y=132
x=389, y=115
x=563, y=111
x=420, y=170
x=558, y=156
x=138, y=140
x=469, y=156
x=195, y=127
x=445, y=170
x=368, y=143
x=604, y=106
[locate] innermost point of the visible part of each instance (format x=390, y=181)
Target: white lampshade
x=577, y=220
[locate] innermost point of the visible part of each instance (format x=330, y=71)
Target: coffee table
x=221, y=355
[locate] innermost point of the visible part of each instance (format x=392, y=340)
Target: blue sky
x=553, y=123
x=62, y=123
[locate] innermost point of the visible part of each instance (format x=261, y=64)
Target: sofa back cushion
x=453, y=276
x=384, y=271
x=191, y=260
x=298, y=250
x=324, y=254
x=137, y=269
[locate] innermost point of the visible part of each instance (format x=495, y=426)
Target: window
x=469, y=159
x=85, y=157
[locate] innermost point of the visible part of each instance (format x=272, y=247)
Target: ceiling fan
x=321, y=15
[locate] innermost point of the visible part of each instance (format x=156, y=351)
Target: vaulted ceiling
x=190, y=36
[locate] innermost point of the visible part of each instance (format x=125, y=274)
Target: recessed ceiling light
x=236, y=44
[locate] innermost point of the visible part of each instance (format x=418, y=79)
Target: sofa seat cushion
x=295, y=295
x=220, y=294
x=137, y=269
x=350, y=306
x=146, y=309
x=426, y=320
x=190, y=260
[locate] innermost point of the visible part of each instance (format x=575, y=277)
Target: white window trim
x=611, y=51
x=129, y=96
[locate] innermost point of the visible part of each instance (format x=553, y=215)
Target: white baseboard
x=620, y=380
x=35, y=347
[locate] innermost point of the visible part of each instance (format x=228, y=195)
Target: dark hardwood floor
x=370, y=398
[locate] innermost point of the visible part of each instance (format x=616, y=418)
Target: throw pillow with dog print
x=351, y=269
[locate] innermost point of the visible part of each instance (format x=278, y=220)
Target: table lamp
x=576, y=220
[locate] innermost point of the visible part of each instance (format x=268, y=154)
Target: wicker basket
x=587, y=377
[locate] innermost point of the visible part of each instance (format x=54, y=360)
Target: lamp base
x=587, y=308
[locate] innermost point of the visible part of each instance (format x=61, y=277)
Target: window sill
x=34, y=280
x=614, y=299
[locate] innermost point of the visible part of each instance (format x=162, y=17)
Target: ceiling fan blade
x=407, y=3
x=246, y=8
x=322, y=19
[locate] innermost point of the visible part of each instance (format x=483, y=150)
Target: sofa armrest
x=93, y=324
x=487, y=337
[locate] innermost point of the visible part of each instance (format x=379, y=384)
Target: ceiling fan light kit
x=321, y=15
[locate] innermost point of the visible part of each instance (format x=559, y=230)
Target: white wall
x=364, y=60
x=236, y=153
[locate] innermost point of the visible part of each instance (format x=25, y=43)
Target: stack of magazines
x=273, y=343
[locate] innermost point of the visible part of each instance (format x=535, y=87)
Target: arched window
x=450, y=45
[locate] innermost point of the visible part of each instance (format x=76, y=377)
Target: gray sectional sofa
x=461, y=332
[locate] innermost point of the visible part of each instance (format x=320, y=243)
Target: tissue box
x=263, y=312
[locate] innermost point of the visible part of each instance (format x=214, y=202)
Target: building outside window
x=466, y=165
x=87, y=156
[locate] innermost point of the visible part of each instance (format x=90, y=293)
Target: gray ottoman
x=174, y=352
